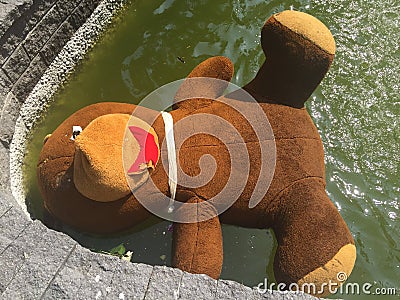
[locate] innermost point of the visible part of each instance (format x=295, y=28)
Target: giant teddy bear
x=83, y=181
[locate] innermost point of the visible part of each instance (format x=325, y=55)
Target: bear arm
x=197, y=247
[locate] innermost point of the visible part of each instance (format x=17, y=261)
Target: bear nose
x=98, y=167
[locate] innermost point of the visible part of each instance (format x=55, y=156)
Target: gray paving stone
x=88, y=275
x=296, y=296
x=130, y=281
x=12, y=223
x=18, y=251
x=11, y=261
x=98, y=278
x=10, y=11
x=28, y=80
x=38, y=270
x=31, y=236
x=8, y=117
x=4, y=243
x=17, y=63
x=268, y=294
x=67, y=283
x=228, y=289
x=57, y=42
x=65, y=8
x=38, y=37
x=82, y=12
x=282, y=295
x=11, y=39
x=5, y=86
x=5, y=202
x=197, y=286
x=164, y=283
x=5, y=168
x=38, y=10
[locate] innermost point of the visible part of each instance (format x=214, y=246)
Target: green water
x=356, y=109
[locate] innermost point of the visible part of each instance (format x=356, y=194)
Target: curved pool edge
x=38, y=262
x=54, y=77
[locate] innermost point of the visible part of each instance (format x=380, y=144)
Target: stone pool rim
x=42, y=263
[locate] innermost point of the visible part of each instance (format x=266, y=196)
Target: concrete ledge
x=41, y=43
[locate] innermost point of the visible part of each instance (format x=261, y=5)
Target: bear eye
x=76, y=130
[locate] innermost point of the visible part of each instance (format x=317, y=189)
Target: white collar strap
x=172, y=163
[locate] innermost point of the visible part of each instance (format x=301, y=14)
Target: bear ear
x=206, y=82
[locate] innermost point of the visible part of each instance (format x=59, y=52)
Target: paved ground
x=36, y=262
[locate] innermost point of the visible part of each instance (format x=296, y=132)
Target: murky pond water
x=356, y=109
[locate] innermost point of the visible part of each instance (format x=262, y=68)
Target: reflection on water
x=356, y=110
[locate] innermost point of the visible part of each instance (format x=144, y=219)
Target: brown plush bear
x=83, y=182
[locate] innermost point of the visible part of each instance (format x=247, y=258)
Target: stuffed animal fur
x=83, y=180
